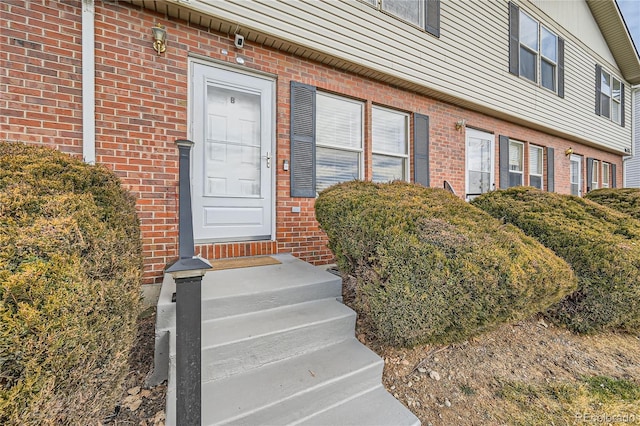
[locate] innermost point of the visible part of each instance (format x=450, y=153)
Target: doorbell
x=239, y=41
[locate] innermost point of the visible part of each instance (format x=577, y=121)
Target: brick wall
x=141, y=109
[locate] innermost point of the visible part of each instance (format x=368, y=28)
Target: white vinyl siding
x=354, y=36
x=390, y=143
x=536, y=163
x=339, y=136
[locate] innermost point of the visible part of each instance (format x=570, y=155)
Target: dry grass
x=528, y=373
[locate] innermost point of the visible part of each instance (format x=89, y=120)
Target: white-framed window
x=610, y=97
x=424, y=14
x=595, y=175
x=536, y=162
x=538, y=52
x=516, y=163
x=605, y=174
x=528, y=47
x=548, y=59
x=339, y=140
x=390, y=143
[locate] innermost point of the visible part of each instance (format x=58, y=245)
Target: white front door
x=480, y=175
x=575, y=175
x=232, y=157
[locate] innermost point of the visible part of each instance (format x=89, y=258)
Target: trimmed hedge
x=625, y=200
x=429, y=267
x=70, y=274
x=601, y=244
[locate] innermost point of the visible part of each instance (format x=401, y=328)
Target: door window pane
x=574, y=176
x=232, y=148
x=479, y=166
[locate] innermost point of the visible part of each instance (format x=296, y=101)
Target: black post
x=187, y=273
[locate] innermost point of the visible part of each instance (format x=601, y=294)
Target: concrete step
x=375, y=407
x=240, y=291
x=235, y=344
x=244, y=342
x=282, y=392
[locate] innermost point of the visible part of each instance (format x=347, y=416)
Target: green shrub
x=430, y=268
x=625, y=200
x=70, y=272
x=601, y=244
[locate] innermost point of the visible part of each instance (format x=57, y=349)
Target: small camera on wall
x=239, y=41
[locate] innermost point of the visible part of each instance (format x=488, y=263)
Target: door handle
x=268, y=157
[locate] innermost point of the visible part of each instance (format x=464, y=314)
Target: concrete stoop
x=278, y=348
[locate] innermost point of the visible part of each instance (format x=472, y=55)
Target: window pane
x=515, y=179
x=548, y=75
x=515, y=156
x=535, y=160
x=387, y=168
x=389, y=131
x=334, y=166
x=338, y=122
x=595, y=175
x=409, y=10
x=373, y=2
x=535, y=181
x=528, y=64
x=528, y=31
x=616, y=90
x=605, y=175
x=605, y=86
x=549, y=45
x=605, y=105
x=615, y=112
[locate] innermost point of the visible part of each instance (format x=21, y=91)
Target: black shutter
x=504, y=162
x=433, y=17
x=622, y=104
x=561, y=67
x=613, y=176
x=514, y=39
x=421, y=149
x=598, y=87
x=303, y=140
x=589, y=173
x=551, y=182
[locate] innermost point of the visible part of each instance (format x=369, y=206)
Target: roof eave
x=616, y=34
